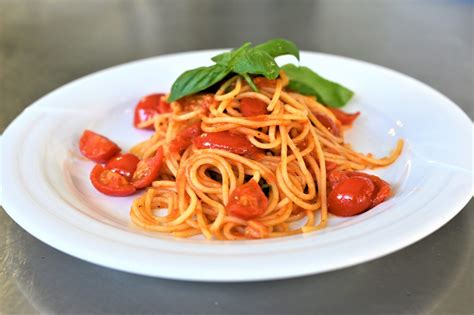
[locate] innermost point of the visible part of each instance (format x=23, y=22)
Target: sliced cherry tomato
x=224, y=140
x=96, y=147
x=247, y=201
x=343, y=117
x=110, y=183
x=264, y=82
x=148, y=107
x=250, y=106
x=124, y=164
x=185, y=137
x=147, y=170
x=328, y=123
x=351, y=196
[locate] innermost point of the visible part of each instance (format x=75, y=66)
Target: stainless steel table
x=44, y=44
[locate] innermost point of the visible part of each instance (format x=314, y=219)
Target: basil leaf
x=305, y=81
x=256, y=62
x=226, y=58
x=279, y=47
x=196, y=80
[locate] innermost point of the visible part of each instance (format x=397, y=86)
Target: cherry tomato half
x=328, y=123
x=96, y=147
x=247, y=201
x=343, y=117
x=124, y=164
x=185, y=137
x=224, y=140
x=351, y=196
x=148, y=107
x=110, y=183
x=250, y=106
x=147, y=170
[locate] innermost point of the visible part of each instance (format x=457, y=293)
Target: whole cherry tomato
x=351, y=196
x=344, y=186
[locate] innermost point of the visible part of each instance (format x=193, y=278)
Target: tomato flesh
x=185, y=137
x=148, y=107
x=250, y=106
x=123, y=164
x=351, y=196
x=247, y=201
x=353, y=186
x=96, y=147
x=147, y=170
x=110, y=183
x=328, y=123
x=343, y=117
x=224, y=140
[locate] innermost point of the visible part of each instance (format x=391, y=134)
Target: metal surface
x=44, y=44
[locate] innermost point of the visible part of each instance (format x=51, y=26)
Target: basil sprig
x=245, y=60
x=305, y=81
x=250, y=60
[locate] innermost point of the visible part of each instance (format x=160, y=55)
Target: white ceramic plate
x=46, y=188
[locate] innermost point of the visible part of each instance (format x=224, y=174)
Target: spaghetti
x=293, y=142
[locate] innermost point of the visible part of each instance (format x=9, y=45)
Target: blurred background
x=47, y=43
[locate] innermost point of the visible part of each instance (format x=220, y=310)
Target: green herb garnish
x=249, y=61
x=305, y=81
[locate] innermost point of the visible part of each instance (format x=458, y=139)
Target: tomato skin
x=351, y=196
x=123, y=164
x=343, y=117
x=250, y=106
x=147, y=170
x=96, y=147
x=328, y=123
x=110, y=183
x=247, y=201
x=224, y=140
x=185, y=137
x=148, y=107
